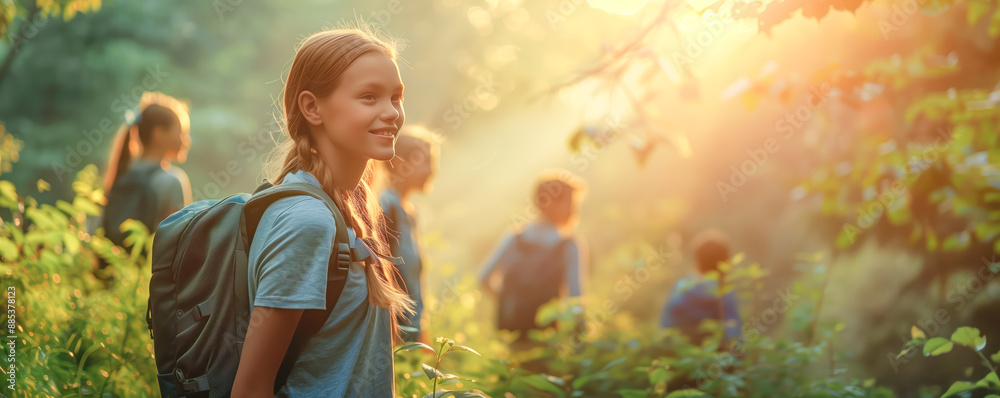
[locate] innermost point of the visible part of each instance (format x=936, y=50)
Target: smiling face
x=364, y=113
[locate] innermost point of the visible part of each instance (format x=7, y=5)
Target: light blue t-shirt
x=351, y=355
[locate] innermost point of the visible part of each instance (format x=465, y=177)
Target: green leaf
x=989, y=381
x=659, y=374
x=995, y=357
x=932, y=240
x=431, y=372
x=86, y=207
x=632, y=393
x=7, y=191
x=937, y=346
x=409, y=329
x=412, y=346
x=977, y=10
x=738, y=258
x=8, y=250
x=458, y=347
x=916, y=333
x=969, y=337
x=613, y=363
x=72, y=242
x=959, y=387
x=580, y=381
x=542, y=383
x=956, y=242
x=686, y=393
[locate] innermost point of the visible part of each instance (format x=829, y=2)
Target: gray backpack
x=199, y=305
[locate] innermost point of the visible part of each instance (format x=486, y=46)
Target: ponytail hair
x=154, y=110
x=318, y=65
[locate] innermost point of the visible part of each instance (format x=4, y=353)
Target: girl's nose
x=391, y=113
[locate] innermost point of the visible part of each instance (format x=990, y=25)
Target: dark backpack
x=199, y=305
x=533, y=279
x=131, y=196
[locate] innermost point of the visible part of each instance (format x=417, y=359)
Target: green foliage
x=584, y=355
x=80, y=329
x=972, y=338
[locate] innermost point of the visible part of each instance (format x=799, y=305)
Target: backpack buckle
x=343, y=256
x=197, y=384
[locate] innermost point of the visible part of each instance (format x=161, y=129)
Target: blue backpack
x=199, y=305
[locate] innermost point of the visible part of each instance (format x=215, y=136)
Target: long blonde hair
x=318, y=65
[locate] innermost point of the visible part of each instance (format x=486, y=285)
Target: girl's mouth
x=386, y=132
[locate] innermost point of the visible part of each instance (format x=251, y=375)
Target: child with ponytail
x=141, y=181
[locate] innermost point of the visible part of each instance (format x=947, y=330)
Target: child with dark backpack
x=544, y=261
x=141, y=182
x=410, y=171
x=289, y=291
x=697, y=298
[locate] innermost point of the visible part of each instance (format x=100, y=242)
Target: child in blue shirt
x=695, y=299
x=410, y=171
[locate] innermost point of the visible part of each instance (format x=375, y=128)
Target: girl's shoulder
x=299, y=215
x=164, y=180
x=179, y=174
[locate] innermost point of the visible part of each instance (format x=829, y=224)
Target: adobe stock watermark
x=27, y=32
x=787, y=124
x=223, y=7
x=889, y=199
x=561, y=12
x=711, y=28
x=381, y=19
x=625, y=288
x=751, y=332
x=899, y=16
x=484, y=92
x=448, y=294
x=610, y=130
x=534, y=205
x=959, y=296
x=94, y=138
x=248, y=148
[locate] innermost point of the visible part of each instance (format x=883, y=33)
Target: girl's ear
x=309, y=106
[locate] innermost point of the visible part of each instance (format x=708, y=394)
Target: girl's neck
x=155, y=156
x=346, y=169
x=545, y=223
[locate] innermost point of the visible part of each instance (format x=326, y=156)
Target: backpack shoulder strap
x=266, y=194
x=341, y=257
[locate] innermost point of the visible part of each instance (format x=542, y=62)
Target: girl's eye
x=369, y=97
x=397, y=98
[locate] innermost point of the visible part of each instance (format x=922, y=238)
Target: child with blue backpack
x=543, y=261
x=343, y=108
x=697, y=298
x=289, y=291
